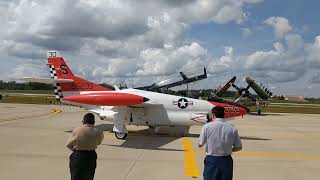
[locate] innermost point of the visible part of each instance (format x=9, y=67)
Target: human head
x=218, y=112
x=209, y=117
x=88, y=119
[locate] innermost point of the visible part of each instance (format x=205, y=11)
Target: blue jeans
x=218, y=168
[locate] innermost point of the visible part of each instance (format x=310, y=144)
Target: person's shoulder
x=233, y=127
x=209, y=124
x=97, y=130
x=77, y=128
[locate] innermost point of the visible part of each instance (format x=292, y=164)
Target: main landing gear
x=120, y=130
x=259, y=112
x=120, y=135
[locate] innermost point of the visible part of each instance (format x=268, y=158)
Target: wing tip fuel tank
x=107, y=99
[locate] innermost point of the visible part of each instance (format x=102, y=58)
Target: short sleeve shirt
x=85, y=137
x=219, y=137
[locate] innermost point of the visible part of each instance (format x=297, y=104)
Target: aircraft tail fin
x=59, y=71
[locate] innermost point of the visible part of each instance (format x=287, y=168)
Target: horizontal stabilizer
x=47, y=80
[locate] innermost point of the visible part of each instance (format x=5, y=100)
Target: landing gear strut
x=120, y=135
x=259, y=112
x=120, y=130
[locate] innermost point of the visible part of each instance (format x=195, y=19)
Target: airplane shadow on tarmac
x=148, y=139
x=143, y=139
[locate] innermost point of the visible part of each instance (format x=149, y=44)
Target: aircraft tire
x=259, y=112
x=121, y=135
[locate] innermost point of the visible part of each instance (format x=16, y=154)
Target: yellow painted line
x=270, y=155
x=190, y=164
x=54, y=112
x=107, y=133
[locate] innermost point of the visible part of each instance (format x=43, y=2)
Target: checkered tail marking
x=57, y=88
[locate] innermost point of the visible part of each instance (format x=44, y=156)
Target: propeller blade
x=236, y=87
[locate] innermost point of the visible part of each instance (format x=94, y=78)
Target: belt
x=209, y=156
x=84, y=151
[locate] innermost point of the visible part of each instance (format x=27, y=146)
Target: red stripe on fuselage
x=231, y=110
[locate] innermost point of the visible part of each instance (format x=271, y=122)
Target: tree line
x=13, y=85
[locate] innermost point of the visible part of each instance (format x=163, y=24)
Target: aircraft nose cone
x=244, y=110
x=249, y=80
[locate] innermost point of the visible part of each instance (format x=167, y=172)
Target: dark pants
x=218, y=168
x=83, y=165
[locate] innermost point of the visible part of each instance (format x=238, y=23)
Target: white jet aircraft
x=129, y=106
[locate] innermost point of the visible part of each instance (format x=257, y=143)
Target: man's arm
x=237, y=145
x=71, y=139
x=100, y=137
x=202, y=138
x=235, y=149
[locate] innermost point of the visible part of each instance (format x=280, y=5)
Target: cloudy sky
x=138, y=42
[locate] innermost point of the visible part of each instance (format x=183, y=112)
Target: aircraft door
x=179, y=118
x=137, y=116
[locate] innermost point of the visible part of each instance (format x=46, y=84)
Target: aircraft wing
x=46, y=80
x=226, y=87
x=175, y=80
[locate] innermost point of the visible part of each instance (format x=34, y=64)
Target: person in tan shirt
x=83, y=142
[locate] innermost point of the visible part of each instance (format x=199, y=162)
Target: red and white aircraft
x=129, y=106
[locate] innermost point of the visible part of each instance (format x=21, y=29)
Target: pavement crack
x=127, y=175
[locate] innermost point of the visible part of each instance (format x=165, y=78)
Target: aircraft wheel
x=259, y=112
x=120, y=135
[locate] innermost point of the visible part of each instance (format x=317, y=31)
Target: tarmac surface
x=33, y=137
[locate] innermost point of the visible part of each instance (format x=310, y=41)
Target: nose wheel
x=120, y=135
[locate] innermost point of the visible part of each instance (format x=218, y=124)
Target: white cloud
x=280, y=25
x=288, y=60
x=313, y=52
x=315, y=78
x=111, y=41
x=124, y=32
x=246, y=32
x=169, y=61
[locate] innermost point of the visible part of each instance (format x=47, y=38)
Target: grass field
x=27, y=99
x=27, y=91
x=301, y=109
